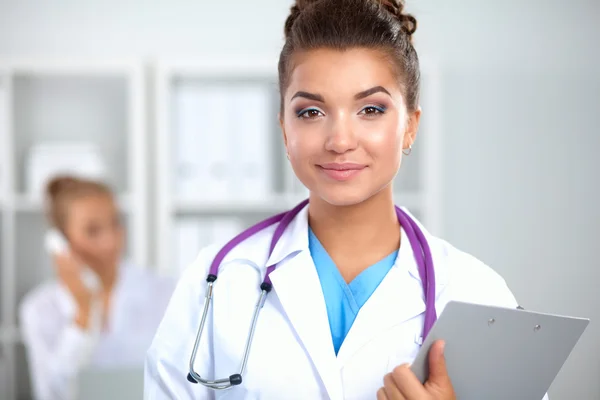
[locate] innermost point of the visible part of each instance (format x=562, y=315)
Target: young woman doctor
x=346, y=312
x=69, y=323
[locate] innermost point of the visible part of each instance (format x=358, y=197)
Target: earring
x=409, y=150
x=287, y=155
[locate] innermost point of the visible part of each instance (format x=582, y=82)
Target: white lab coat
x=57, y=349
x=292, y=355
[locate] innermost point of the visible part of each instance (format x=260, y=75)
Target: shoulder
x=134, y=274
x=466, y=278
x=42, y=300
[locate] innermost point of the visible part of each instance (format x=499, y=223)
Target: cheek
x=303, y=139
x=384, y=141
x=120, y=240
x=84, y=246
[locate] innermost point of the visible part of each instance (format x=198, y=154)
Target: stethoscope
x=417, y=241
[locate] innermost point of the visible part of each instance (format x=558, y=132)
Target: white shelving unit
x=46, y=101
x=190, y=96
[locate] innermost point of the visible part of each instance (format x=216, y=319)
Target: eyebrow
x=371, y=91
x=358, y=96
x=310, y=96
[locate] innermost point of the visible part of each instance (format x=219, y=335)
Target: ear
x=412, y=126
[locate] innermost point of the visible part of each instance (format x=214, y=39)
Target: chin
x=342, y=197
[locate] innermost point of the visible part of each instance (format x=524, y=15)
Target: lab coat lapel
x=398, y=298
x=298, y=288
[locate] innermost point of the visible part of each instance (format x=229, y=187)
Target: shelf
x=52, y=110
x=72, y=105
x=23, y=203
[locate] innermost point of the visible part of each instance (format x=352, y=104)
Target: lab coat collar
x=298, y=288
x=438, y=253
x=398, y=298
x=293, y=240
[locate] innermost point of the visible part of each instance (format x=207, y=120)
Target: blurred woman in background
x=72, y=323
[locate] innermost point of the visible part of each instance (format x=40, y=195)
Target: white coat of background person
x=349, y=85
x=66, y=325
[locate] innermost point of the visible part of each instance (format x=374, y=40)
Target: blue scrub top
x=344, y=300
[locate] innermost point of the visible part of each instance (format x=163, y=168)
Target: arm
x=167, y=360
x=55, y=356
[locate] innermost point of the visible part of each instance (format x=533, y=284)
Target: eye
x=93, y=230
x=373, y=110
x=309, y=113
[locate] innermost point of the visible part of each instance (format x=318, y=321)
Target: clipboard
x=500, y=353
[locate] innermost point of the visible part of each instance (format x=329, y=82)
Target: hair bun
x=396, y=8
x=295, y=12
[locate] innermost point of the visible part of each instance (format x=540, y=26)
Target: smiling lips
x=341, y=172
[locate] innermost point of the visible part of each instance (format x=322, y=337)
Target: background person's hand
x=69, y=268
x=402, y=384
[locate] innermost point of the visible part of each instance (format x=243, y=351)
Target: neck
x=108, y=277
x=356, y=236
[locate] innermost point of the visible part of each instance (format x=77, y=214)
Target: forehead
x=348, y=71
x=91, y=207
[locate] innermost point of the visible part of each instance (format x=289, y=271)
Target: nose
x=341, y=136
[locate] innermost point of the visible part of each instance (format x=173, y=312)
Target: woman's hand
x=69, y=268
x=402, y=384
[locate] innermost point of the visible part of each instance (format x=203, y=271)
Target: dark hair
x=346, y=24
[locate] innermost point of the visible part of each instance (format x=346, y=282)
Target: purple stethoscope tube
x=417, y=241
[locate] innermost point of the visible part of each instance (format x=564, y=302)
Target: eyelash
x=379, y=109
x=301, y=114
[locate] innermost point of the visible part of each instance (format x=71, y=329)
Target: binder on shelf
x=202, y=161
x=253, y=140
x=217, y=142
x=224, y=141
x=187, y=162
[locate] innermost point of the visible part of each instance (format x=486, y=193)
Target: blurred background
x=506, y=165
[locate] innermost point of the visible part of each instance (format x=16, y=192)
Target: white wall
x=521, y=111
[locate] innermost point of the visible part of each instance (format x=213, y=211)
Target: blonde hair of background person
x=345, y=314
x=56, y=317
